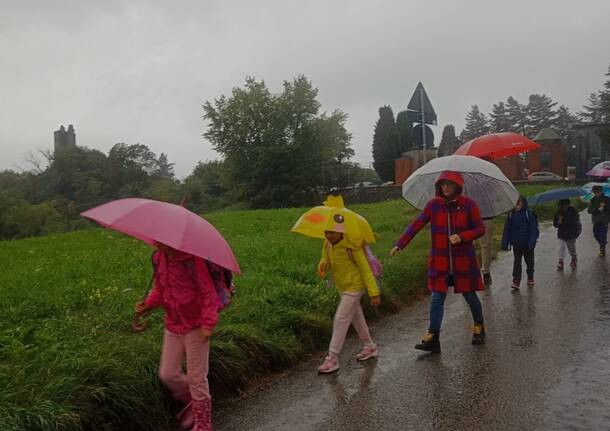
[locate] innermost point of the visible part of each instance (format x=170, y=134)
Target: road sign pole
x=423, y=121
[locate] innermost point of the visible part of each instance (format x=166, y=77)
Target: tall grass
x=68, y=358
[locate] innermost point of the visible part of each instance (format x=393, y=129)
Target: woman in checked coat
x=455, y=223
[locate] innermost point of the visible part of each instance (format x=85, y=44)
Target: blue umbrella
x=555, y=195
x=587, y=188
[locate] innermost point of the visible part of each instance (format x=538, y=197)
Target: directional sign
x=415, y=117
x=420, y=102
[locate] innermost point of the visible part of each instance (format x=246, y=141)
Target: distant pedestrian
x=183, y=286
x=567, y=222
x=521, y=233
x=455, y=222
x=599, y=208
x=352, y=275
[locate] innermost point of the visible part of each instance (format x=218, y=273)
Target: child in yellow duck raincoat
x=352, y=275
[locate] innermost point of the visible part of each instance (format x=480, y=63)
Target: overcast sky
x=138, y=71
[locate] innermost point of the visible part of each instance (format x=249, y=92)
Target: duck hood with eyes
x=452, y=176
x=333, y=216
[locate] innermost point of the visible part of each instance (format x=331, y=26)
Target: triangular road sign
x=415, y=104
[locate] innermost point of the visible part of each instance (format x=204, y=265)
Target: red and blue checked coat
x=460, y=216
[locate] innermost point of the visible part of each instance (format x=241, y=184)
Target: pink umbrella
x=600, y=170
x=153, y=221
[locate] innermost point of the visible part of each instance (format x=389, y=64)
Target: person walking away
x=521, y=233
x=455, y=222
x=182, y=285
x=567, y=222
x=352, y=275
x=599, y=208
x=486, y=242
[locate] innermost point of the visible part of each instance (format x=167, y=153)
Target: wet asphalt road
x=545, y=366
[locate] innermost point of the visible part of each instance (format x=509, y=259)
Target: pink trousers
x=194, y=384
x=349, y=312
x=191, y=388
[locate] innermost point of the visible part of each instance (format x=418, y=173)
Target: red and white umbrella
x=497, y=146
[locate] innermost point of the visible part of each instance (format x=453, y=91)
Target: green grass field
x=68, y=358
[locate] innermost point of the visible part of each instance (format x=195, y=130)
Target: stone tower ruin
x=64, y=138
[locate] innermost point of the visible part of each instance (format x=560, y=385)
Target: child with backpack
x=567, y=222
x=184, y=285
x=352, y=275
x=521, y=233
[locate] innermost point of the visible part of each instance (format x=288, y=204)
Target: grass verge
x=68, y=358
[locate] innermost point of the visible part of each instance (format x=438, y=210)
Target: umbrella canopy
x=588, y=190
x=484, y=182
x=497, y=146
x=555, y=195
x=600, y=170
x=161, y=222
x=334, y=216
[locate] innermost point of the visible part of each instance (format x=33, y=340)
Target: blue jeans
x=600, y=232
x=437, y=306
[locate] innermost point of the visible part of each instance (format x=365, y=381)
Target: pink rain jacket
x=184, y=288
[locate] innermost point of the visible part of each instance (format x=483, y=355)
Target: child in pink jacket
x=183, y=287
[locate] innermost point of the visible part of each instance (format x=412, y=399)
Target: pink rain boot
x=186, y=417
x=202, y=410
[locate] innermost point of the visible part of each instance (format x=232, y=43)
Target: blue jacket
x=520, y=228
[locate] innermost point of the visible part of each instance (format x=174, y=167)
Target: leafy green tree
x=405, y=132
x=75, y=173
x=449, y=142
x=386, y=146
x=477, y=124
x=165, y=169
x=208, y=187
x=24, y=219
x=278, y=149
x=129, y=169
x=541, y=113
x=500, y=119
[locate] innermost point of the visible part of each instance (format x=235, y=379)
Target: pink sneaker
x=367, y=352
x=329, y=365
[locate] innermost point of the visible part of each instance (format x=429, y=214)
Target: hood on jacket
x=524, y=201
x=452, y=176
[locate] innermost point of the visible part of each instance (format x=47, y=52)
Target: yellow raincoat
x=350, y=274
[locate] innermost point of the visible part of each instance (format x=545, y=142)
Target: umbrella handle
x=138, y=326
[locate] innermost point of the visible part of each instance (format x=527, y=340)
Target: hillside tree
x=517, y=115
x=500, y=120
x=477, y=124
x=386, y=147
x=449, y=141
x=279, y=149
x=405, y=132
x=541, y=114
